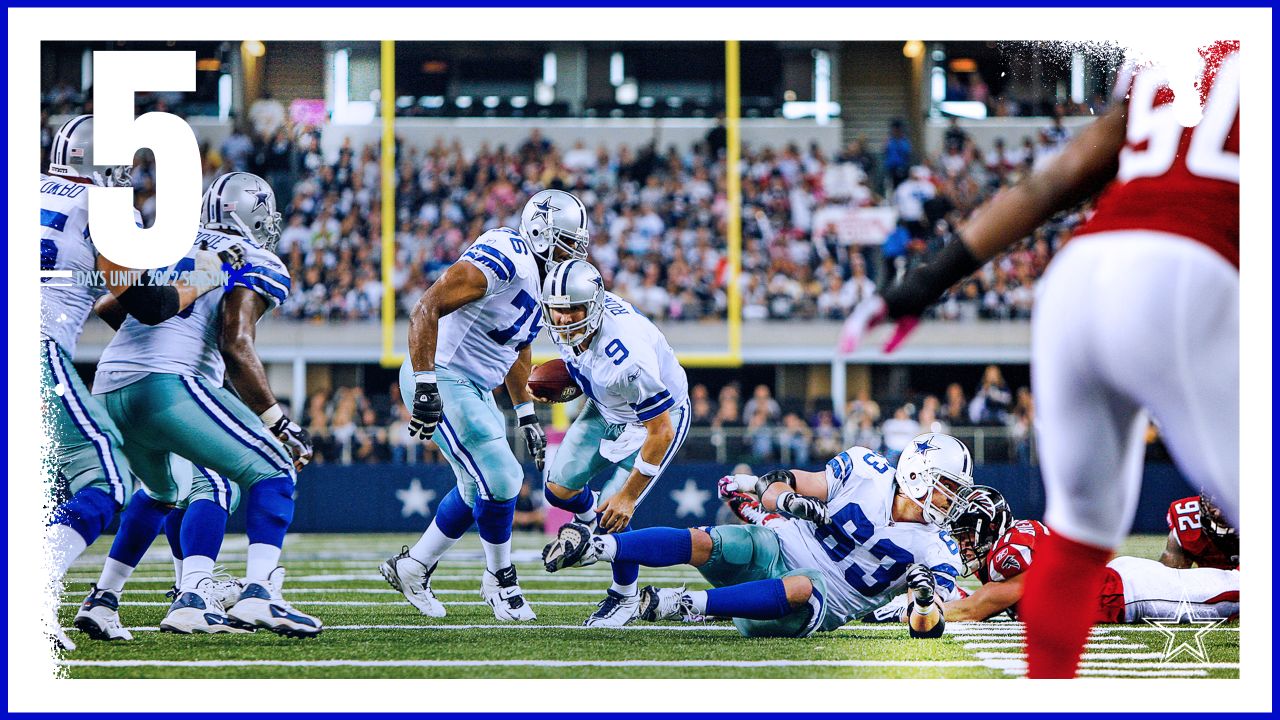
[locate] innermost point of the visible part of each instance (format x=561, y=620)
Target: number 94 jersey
x=629, y=370
x=862, y=552
x=481, y=339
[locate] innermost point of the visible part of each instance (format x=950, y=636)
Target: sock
x=269, y=512
x=606, y=547
x=173, y=531
x=654, y=547
x=589, y=515
x=625, y=574
x=262, y=558
x=203, y=527
x=494, y=522
x=140, y=522
x=195, y=569
x=756, y=600
x=582, y=503
x=177, y=571
x=114, y=575
x=629, y=589
x=452, y=519
x=76, y=524
x=1057, y=622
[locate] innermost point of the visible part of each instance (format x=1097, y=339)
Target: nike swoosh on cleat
x=279, y=612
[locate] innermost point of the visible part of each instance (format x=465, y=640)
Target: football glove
x=295, y=438
x=534, y=439
x=924, y=284
x=922, y=585
x=427, y=410
x=803, y=507
x=734, y=484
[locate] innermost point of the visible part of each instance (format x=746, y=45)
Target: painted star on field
x=690, y=500
x=1184, y=621
x=415, y=500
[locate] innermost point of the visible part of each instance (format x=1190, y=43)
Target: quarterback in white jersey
x=636, y=419
x=164, y=385
x=469, y=333
x=860, y=533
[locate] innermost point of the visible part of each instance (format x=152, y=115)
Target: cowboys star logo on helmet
x=544, y=209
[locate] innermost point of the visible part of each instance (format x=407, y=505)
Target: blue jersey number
x=48, y=255
x=616, y=350
x=518, y=244
x=877, y=462
x=528, y=307
x=950, y=541
x=851, y=528
x=582, y=381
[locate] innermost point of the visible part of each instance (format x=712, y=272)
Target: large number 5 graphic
x=117, y=135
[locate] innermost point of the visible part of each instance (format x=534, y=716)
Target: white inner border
x=31, y=687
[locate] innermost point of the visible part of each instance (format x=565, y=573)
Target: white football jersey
x=65, y=245
x=188, y=343
x=481, y=339
x=629, y=370
x=862, y=552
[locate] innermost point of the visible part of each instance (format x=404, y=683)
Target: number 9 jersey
x=862, y=553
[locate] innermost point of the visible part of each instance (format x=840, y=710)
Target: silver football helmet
x=934, y=463
x=570, y=284
x=72, y=152
x=245, y=203
x=555, y=219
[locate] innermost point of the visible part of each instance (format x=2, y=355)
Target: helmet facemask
x=984, y=518
x=1212, y=519
x=947, y=487
x=573, y=333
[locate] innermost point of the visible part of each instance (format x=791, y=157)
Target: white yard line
x=520, y=663
x=1017, y=645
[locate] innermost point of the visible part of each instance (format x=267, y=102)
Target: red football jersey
x=1184, y=521
x=1174, y=179
x=1011, y=556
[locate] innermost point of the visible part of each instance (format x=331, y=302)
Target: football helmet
x=72, y=152
x=984, y=519
x=1212, y=520
x=555, y=219
x=935, y=464
x=572, y=284
x=244, y=203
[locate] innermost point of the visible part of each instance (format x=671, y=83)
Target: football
x=551, y=380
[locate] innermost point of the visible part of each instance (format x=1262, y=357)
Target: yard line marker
x=1086, y=656
x=518, y=663
x=1088, y=646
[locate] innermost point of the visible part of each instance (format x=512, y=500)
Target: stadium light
x=255, y=48
x=616, y=74
x=224, y=97
x=490, y=101
x=822, y=86
x=913, y=49
x=549, y=69
x=341, y=78
x=86, y=70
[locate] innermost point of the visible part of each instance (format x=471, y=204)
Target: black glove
x=233, y=257
x=535, y=439
x=924, y=284
x=427, y=409
x=295, y=438
x=803, y=507
x=923, y=586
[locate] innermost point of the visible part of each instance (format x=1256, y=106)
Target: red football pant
x=1060, y=604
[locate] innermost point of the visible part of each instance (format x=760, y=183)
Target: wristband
x=271, y=415
x=524, y=409
x=645, y=468
x=425, y=376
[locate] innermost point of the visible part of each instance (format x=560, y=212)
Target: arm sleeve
x=498, y=269
x=269, y=280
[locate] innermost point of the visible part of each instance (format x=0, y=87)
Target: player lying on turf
x=1199, y=534
x=998, y=550
x=636, y=420
x=859, y=534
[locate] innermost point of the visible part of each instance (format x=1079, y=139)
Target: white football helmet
x=72, y=152
x=245, y=203
x=934, y=463
x=571, y=284
x=555, y=218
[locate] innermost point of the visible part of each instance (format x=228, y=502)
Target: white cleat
x=413, y=580
x=262, y=606
x=615, y=610
x=59, y=638
x=198, y=611
x=99, y=616
x=571, y=548
x=502, y=591
x=658, y=604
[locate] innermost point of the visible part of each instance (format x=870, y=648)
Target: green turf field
x=370, y=632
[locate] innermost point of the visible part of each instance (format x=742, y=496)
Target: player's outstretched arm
x=798, y=493
x=988, y=601
x=517, y=382
x=241, y=311
x=616, y=512
x=1174, y=556
x=925, y=614
x=1079, y=172
x=154, y=302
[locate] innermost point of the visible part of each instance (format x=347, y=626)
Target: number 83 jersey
x=863, y=554
x=481, y=339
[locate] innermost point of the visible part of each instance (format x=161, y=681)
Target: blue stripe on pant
x=81, y=416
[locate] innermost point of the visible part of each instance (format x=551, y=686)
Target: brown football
x=551, y=380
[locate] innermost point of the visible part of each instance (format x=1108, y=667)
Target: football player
x=860, y=532
x=164, y=385
x=1200, y=535
x=999, y=550
x=1163, y=245
x=636, y=417
x=469, y=333
x=87, y=451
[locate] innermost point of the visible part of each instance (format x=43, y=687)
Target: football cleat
x=99, y=616
x=658, y=604
x=615, y=610
x=502, y=591
x=413, y=579
x=261, y=605
x=198, y=611
x=58, y=637
x=571, y=548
